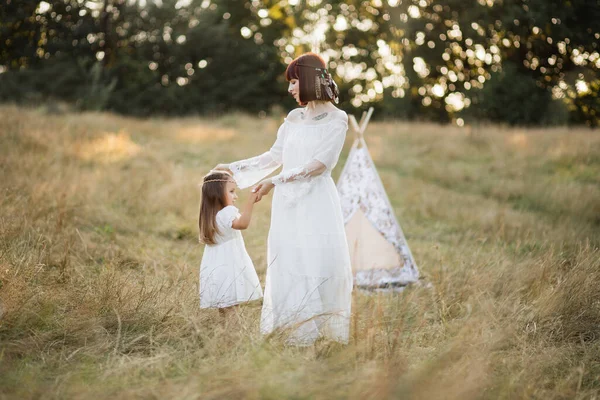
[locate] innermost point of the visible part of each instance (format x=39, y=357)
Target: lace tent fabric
x=368, y=213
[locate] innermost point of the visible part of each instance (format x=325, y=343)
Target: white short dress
x=227, y=274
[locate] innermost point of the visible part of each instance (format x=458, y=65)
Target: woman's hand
x=222, y=167
x=263, y=188
x=253, y=198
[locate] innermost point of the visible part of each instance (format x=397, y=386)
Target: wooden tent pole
x=362, y=117
x=363, y=124
x=354, y=124
x=360, y=127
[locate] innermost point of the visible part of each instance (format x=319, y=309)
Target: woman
x=309, y=279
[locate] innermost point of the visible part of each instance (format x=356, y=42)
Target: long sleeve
x=250, y=171
x=324, y=159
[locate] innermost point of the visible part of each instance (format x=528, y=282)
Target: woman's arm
x=325, y=159
x=248, y=172
x=312, y=169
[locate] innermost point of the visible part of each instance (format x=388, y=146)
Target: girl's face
x=230, y=194
x=294, y=89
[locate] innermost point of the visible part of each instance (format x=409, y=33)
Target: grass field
x=99, y=266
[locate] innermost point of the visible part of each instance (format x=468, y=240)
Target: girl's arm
x=244, y=220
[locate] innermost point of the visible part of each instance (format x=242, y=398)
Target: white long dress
x=309, y=278
x=227, y=274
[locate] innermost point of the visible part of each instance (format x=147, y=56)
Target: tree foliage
x=512, y=61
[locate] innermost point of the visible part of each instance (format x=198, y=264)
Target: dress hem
x=231, y=304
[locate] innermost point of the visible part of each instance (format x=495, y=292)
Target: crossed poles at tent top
x=359, y=129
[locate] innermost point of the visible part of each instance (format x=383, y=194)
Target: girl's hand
x=222, y=167
x=253, y=198
x=263, y=188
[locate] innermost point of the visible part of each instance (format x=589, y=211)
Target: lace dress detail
x=295, y=183
x=309, y=278
x=250, y=171
x=298, y=182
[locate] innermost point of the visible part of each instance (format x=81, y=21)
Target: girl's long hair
x=213, y=200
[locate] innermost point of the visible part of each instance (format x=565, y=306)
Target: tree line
x=520, y=62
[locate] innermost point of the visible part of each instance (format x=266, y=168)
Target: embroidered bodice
x=307, y=149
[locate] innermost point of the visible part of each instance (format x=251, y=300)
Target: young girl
x=227, y=275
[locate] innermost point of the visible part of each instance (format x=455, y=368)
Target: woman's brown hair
x=316, y=82
x=213, y=200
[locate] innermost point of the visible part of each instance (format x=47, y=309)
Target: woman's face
x=294, y=89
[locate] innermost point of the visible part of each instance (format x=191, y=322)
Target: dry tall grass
x=99, y=266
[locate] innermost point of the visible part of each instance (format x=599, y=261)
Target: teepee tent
x=379, y=253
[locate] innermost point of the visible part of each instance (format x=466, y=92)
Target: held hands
x=257, y=193
x=253, y=198
x=263, y=188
